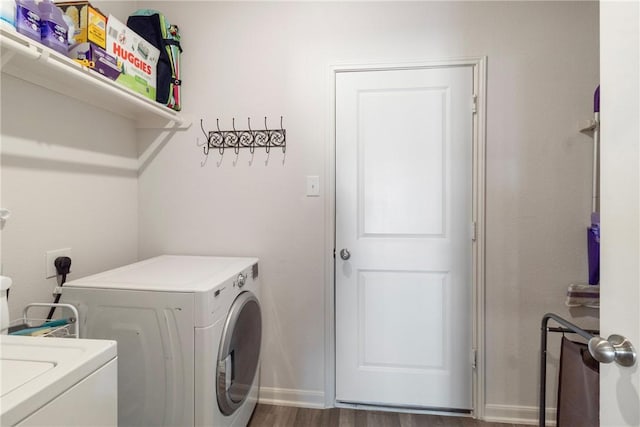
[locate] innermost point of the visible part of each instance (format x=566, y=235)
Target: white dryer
x=189, y=331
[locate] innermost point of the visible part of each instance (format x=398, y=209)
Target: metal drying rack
x=45, y=327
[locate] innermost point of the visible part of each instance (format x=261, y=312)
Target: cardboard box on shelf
x=97, y=59
x=139, y=59
x=90, y=24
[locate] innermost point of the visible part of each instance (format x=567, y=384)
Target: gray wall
x=256, y=59
x=66, y=177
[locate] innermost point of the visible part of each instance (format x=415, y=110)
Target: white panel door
x=620, y=204
x=403, y=212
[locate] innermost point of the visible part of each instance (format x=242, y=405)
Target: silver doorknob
x=615, y=348
x=345, y=254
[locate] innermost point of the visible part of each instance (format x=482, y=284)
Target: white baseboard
x=291, y=397
x=517, y=414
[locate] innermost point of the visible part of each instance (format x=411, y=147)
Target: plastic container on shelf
x=8, y=12
x=71, y=29
x=54, y=29
x=28, y=19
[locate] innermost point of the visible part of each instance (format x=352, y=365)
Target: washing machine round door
x=239, y=352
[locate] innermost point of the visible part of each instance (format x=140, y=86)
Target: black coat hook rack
x=235, y=139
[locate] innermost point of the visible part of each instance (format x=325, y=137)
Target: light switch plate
x=313, y=186
x=50, y=257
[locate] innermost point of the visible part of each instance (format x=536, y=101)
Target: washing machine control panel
x=240, y=280
x=213, y=306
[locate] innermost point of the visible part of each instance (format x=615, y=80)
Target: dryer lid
x=35, y=370
x=168, y=273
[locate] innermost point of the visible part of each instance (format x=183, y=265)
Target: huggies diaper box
x=139, y=59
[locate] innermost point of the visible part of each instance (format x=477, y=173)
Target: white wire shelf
x=33, y=62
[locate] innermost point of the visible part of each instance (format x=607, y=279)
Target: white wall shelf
x=28, y=60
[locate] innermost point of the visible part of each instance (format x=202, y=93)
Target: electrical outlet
x=50, y=258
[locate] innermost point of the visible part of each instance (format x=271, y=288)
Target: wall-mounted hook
x=266, y=129
x=217, y=138
x=4, y=215
x=236, y=135
x=205, y=146
x=252, y=145
x=250, y=138
x=284, y=133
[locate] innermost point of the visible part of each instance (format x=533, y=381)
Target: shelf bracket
x=588, y=125
x=167, y=124
x=44, y=56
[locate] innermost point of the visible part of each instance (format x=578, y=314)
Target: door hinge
x=474, y=104
x=474, y=358
x=334, y=253
x=474, y=231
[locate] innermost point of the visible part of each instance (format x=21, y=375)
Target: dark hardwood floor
x=285, y=416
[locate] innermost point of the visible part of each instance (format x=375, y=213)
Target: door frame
x=479, y=67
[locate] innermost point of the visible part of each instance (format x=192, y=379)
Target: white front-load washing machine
x=189, y=331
